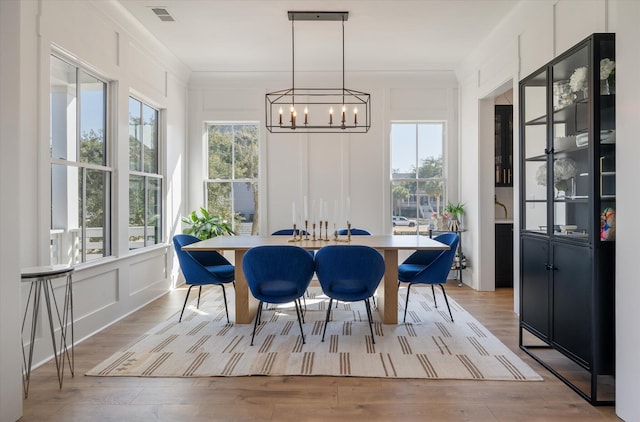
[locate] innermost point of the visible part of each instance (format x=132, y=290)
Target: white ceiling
x=380, y=35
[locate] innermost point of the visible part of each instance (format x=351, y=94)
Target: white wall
x=10, y=357
x=102, y=36
x=534, y=33
x=327, y=166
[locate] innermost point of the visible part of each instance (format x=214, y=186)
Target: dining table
x=388, y=245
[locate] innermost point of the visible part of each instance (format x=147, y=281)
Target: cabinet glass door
x=606, y=145
x=570, y=120
x=534, y=133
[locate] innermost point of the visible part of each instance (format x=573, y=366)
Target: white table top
x=377, y=241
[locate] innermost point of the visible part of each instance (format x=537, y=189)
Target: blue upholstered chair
x=354, y=232
x=349, y=273
x=287, y=232
x=202, y=268
x=429, y=267
x=278, y=274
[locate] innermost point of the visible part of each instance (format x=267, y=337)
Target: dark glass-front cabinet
x=504, y=145
x=567, y=228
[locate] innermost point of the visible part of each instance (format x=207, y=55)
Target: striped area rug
x=429, y=345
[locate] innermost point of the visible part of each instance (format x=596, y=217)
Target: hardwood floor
x=85, y=398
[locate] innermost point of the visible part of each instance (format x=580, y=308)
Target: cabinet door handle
x=504, y=175
x=601, y=177
x=550, y=267
x=509, y=173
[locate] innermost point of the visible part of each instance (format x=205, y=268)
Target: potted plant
x=455, y=210
x=206, y=225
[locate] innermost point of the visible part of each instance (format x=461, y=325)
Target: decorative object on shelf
x=455, y=211
x=318, y=104
x=607, y=136
x=607, y=77
x=579, y=81
x=564, y=172
x=608, y=224
x=562, y=95
x=582, y=139
x=206, y=226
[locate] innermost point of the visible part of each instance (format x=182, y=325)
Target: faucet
x=495, y=201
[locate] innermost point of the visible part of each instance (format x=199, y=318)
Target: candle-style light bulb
x=330, y=115
x=280, y=116
x=344, y=109
x=355, y=115
x=306, y=112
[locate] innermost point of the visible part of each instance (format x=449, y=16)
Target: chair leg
x=185, y=303
x=366, y=301
x=224, y=295
x=433, y=292
x=299, y=313
x=406, y=303
x=305, y=307
x=199, y=291
x=446, y=301
x=326, y=321
x=255, y=324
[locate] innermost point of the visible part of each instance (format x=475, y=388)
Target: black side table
x=460, y=263
x=41, y=285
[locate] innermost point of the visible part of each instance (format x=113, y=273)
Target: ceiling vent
x=162, y=14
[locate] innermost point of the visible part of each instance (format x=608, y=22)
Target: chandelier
x=317, y=110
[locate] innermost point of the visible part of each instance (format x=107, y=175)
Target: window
x=80, y=175
x=231, y=188
x=417, y=175
x=145, y=182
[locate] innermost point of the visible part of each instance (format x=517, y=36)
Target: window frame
x=55, y=235
x=232, y=180
x=442, y=179
x=147, y=176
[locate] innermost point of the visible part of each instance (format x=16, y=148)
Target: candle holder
x=335, y=232
x=306, y=230
x=320, y=231
x=326, y=231
x=295, y=239
x=313, y=235
x=348, y=232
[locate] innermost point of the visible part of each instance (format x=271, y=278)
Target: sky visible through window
x=403, y=154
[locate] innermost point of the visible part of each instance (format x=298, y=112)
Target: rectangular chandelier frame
x=317, y=110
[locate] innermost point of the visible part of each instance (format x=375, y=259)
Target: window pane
x=220, y=148
x=62, y=98
x=136, y=212
x=402, y=193
x=245, y=201
x=430, y=137
x=65, y=215
x=403, y=149
x=219, y=199
x=150, y=139
x=135, y=135
x=96, y=235
x=246, y=152
x=153, y=228
x=92, y=119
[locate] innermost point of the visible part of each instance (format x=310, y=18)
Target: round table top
x=45, y=271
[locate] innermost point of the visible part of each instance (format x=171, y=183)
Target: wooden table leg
x=246, y=304
x=388, y=290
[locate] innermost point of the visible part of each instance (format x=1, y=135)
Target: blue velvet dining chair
x=349, y=273
x=354, y=232
x=430, y=268
x=202, y=268
x=278, y=275
x=287, y=232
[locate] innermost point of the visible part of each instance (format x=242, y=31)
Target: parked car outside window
x=402, y=221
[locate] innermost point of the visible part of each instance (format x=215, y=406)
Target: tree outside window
x=232, y=182
x=417, y=174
